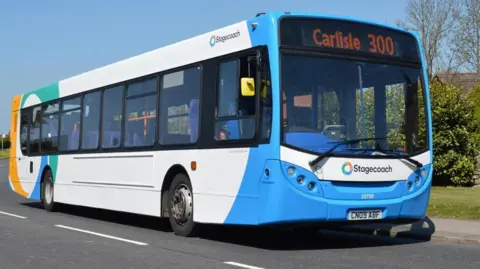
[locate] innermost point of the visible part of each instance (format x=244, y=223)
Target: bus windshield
x=329, y=100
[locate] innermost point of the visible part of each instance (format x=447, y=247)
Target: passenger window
x=24, y=116
x=180, y=93
x=70, y=124
x=141, y=113
x=91, y=120
x=112, y=117
x=239, y=109
x=49, y=134
x=35, y=124
x=228, y=89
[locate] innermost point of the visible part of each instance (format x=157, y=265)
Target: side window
x=70, y=124
x=49, y=133
x=24, y=116
x=91, y=120
x=141, y=113
x=228, y=89
x=179, y=107
x=35, y=124
x=112, y=117
x=235, y=113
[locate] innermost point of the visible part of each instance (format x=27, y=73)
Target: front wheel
x=180, y=206
x=47, y=192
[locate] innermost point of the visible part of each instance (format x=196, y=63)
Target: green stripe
x=45, y=94
x=53, y=162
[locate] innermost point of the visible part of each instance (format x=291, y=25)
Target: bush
x=455, y=139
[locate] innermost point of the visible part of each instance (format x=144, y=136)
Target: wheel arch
x=45, y=169
x=167, y=181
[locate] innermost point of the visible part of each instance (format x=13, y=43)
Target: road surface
x=89, y=238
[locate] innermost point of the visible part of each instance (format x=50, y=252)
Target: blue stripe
x=10, y=184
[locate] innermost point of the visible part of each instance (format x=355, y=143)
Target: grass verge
x=4, y=154
x=454, y=203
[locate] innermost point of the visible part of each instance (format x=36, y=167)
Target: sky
x=42, y=42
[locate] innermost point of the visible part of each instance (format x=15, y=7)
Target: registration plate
x=365, y=214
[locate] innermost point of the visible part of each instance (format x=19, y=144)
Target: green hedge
x=455, y=120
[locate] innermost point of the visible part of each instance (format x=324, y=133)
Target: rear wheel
x=47, y=192
x=180, y=206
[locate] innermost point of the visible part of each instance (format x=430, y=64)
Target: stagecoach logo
x=214, y=39
x=348, y=169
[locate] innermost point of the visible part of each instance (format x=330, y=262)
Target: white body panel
x=124, y=173
x=132, y=182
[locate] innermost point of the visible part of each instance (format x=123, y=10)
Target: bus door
x=19, y=163
x=32, y=164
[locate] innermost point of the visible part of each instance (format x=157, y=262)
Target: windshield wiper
x=412, y=161
x=329, y=152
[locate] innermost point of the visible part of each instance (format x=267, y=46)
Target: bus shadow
x=134, y=220
x=291, y=241
x=267, y=239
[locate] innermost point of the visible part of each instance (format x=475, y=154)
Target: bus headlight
x=291, y=171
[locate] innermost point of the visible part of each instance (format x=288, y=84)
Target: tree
x=6, y=141
x=467, y=36
x=433, y=20
x=455, y=146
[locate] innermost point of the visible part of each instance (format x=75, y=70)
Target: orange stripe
x=13, y=171
x=142, y=118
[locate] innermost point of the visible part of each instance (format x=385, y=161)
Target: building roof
x=467, y=81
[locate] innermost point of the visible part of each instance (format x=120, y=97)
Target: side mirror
x=248, y=86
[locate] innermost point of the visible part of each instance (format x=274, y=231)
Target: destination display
x=344, y=35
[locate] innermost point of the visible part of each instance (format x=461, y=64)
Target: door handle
x=31, y=167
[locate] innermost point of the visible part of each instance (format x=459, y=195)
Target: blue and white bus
x=285, y=118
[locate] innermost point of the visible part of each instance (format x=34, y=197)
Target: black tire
x=48, y=201
x=187, y=227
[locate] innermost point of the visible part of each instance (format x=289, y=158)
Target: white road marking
x=12, y=215
x=243, y=265
x=102, y=235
